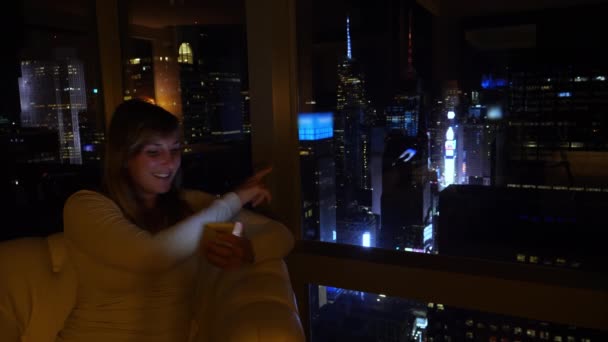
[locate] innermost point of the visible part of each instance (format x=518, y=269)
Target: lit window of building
x=184, y=54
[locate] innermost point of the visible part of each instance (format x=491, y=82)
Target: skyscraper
x=318, y=176
x=510, y=225
x=478, y=142
x=139, y=70
x=404, y=112
x=554, y=123
x=351, y=134
x=212, y=68
x=52, y=94
x=406, y=192
x=446, y=134
x=406, y=202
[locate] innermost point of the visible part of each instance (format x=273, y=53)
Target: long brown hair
x=135, y=123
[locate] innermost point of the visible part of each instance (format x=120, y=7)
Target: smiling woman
x=137, y=240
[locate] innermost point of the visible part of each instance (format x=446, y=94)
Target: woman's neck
x=149, y=201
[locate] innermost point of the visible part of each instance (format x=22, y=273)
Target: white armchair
x=38, y=291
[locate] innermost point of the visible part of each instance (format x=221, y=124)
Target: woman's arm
x=96, y=226
x=270, y=239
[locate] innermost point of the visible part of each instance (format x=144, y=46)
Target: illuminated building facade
x=52, y=95
x=445, y=135
x=318, y=176
x=448, y=323
x=139, y=70
x=92, y=136
x=404, y=112
x=478, y=145
x=553, y=125
x=449, y=159
x=360, y=228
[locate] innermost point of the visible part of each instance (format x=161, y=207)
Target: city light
x=366, y=240
x=406, y=156
x=349, y=53
x=451, y=114
x=449, y=135
x=422, y=322
x=494, y=112
x=489, y=82
x=95, y=91
x=315, y=126
x=428, y=233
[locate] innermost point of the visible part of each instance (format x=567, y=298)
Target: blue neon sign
x=315, y=126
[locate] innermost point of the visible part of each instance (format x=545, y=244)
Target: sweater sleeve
x=96, y=226
x=270, y=239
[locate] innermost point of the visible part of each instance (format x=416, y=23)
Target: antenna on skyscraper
x=349, y=53
x=411, y=72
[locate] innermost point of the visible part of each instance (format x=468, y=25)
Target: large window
x=454, y=130
x=473, y=134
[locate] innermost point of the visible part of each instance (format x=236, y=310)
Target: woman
x=135, y=245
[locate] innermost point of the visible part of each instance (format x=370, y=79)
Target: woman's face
x=152, y=169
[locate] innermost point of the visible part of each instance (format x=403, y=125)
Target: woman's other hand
x=253, y=190
x=229, y=251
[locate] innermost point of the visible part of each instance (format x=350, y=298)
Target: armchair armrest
x=254, y=303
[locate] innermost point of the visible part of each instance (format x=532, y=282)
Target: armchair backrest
x=38, y=288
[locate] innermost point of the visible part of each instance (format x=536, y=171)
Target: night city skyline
x=515, y=122
x=473, y=132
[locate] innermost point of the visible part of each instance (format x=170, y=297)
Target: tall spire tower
x=350, y=135
x=411, y=72
x=349, y=51
x=404, y=112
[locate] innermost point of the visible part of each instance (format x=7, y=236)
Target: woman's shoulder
x=86, y=198
x=87, y=194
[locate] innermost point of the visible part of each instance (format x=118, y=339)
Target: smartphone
x=213, y=229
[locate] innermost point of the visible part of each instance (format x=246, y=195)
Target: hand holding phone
x=225, y=247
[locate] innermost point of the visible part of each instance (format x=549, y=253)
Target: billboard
x=315, y=126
